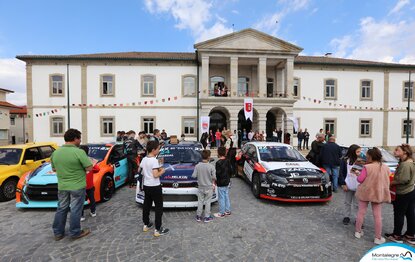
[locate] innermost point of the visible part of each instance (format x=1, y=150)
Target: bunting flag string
x=130, y=104
x=347, y=106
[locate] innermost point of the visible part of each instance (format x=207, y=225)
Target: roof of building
x=19, y=111
x=7, y=104
x=175, y=56
x=6, y=90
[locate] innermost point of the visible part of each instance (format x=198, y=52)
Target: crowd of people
x=364, y=179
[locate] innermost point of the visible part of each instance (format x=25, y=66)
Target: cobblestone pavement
x=258, y=230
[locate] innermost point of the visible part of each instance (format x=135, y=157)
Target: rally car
x=277, y=171
x=16, y=160
x=39, y=188
x=179, y=188
x=387, y=158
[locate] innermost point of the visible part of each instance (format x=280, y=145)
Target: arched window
x=216, y=83
x=243, y=86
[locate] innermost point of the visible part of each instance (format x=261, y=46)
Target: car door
x=32, y=158
x=249, y=162
x=118, y=160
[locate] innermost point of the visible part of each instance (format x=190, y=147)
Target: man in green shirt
x=70, y=164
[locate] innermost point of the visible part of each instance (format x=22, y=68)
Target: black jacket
x=131, y=147
x=314, y=154
x=330, y=155
x=223, y=172
x=343, y=171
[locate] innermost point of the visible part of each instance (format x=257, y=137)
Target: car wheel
x=107, y=188
x=256, y=185
x=8, y=189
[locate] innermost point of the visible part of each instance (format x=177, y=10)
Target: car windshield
x=10, y=156
x=180, y=154
x=98, y=152
x=386, y=156
x=279, y=153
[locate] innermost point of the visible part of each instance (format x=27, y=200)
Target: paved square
x=258, y=230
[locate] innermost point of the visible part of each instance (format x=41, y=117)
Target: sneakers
x=198, y=218
x=346, y=221
x=147, y=227
x=82, y=218
x=379, y=241
x=161, y=232
x=84, y=232
x=208, y=219
x=409, y=240
x=220, y=215
x=358, y=234
x=394, y=238
x=93, y=214
x=228, y=213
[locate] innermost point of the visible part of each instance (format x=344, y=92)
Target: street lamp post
x=410, y=94
x=67, y=95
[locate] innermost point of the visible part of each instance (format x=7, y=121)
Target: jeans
x=217, y=143
x=334, y=175
x=204, y=197
x=377, y=215
x=92, y=204
x=350, y=204
x=153, y=193
x=224, y=203
x=404, y=206
x=305, y=143
x=300, y=142
x=72, y=200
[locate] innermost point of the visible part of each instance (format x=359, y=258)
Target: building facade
x=359, y=101
x=5, y=122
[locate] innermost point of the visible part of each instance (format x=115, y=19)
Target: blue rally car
x=179, y=188
x=39, y=188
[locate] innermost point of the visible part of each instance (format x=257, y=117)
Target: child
x=205, y=174
x=152, y=188
x=90, y=189
x=223, y=174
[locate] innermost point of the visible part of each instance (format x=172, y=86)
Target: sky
x=378, y=30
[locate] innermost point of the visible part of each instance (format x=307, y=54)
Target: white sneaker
x=358, y=234
x=93, y=214
x=82, y=219
x=379, y=241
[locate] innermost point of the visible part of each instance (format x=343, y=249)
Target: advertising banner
x=248, y=108
x=204, y=124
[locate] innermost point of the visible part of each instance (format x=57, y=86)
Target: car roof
x=258, y=143
x=185, y=143
x=27, y=145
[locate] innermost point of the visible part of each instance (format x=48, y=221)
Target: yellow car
x=16, y=160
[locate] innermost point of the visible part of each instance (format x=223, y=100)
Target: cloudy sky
x=381, y=30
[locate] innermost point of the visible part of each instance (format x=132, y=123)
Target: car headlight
x=278, y=179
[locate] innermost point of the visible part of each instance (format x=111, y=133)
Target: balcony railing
x=248, y=94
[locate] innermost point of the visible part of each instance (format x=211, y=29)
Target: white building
x=5, y=122
x=359, y=101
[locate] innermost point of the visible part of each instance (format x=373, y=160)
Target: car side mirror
x=29, y=161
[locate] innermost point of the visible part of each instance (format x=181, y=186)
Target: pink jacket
x=375, y=187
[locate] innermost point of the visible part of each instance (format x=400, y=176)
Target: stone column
x=289, y=77
x=84, y=101
x=233, y=88
x=262, y=77
x=280, y=82
x=205, y=76
x=385, y=109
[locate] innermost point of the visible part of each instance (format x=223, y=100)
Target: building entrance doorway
x=217, y=120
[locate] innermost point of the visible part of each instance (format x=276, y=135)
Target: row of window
x=365, y=127
x=366, y=89
x=107, y=124
x=107, y=85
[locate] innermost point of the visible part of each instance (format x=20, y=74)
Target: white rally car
x=179, y=188
x=279, y=172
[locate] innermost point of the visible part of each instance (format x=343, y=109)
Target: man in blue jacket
x=330, y=155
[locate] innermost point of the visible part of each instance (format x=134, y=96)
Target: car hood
x=178, y=172
x=43, y=175
x=284, y=165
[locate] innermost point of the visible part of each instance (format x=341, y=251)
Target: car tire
x=8, y=189
x=107, y=188
x=256, y=185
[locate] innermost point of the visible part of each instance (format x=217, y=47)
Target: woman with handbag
x=349, y=171
x=404, y=204
x=373, y=189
